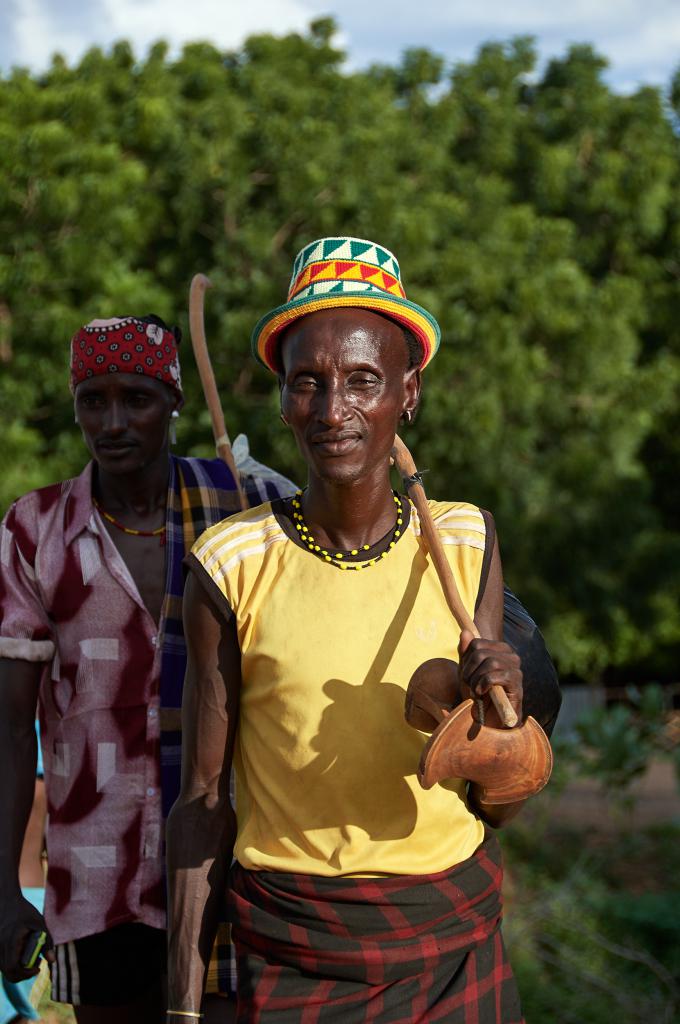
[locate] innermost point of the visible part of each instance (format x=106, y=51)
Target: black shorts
x=112, y=968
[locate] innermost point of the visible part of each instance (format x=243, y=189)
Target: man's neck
x=349, y=516
x=141, y=491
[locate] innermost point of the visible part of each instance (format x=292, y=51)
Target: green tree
x=536, y=216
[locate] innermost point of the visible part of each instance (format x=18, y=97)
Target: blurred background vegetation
x=537, y=214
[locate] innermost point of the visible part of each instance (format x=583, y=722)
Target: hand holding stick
x=199, y=284
x=406, y=467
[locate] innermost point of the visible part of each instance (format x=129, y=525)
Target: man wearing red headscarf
x=91, y=631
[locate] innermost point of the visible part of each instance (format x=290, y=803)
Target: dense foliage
x=592, y=922
x=537, y=217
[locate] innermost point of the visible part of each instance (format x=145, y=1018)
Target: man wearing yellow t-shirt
x=355, y=895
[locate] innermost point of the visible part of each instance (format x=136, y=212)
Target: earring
x=283, y=420
x=174, y=415
x=407, y=416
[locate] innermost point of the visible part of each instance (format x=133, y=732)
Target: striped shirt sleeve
x=224, y=554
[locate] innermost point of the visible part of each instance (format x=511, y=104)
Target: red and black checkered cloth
x=391, y=950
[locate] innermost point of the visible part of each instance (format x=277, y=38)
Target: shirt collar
x=79, y=504
x=79, y=507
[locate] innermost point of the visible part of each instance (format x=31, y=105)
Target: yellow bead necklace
x=338, y=558
x=158, y=532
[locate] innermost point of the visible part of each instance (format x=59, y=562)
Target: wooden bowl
x=509, y=764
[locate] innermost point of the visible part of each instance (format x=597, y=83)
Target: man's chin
x=338, y=471
x=123, y=460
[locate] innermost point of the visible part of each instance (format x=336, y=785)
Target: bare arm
x=201, y=828
x=19, y=684
x=489, y=661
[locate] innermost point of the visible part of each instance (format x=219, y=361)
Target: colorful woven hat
x=332, y=272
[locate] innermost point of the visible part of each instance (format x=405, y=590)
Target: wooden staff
x=406, y=467
x=199, y=284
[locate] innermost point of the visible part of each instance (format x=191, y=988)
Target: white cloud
x=501, y=16
x=223, y=24
x=37, y=34
x=641, y=38
x=36, y=29
x=654, y=42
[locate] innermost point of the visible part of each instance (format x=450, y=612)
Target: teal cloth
x=39, y=769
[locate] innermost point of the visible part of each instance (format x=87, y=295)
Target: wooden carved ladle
x=510, y=762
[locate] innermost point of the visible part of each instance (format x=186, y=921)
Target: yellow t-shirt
x=325, y=761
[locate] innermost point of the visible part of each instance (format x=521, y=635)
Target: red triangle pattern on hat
x=344, y=268
x=316, y=269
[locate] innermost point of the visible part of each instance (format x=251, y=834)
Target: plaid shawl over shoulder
x=390, y=950
x=201, y=492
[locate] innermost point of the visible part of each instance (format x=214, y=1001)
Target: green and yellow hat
x=333, y=272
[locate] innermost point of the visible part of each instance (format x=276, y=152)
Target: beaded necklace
x=131, y=532
x=338, y=558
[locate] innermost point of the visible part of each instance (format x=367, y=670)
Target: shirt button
x=150, y=791
x=153, y=712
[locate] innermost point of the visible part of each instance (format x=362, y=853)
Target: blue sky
x=641, y=38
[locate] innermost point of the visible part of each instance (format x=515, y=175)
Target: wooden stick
x=406, y=467
x=199, y=284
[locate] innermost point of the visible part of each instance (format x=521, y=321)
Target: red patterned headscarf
x=124, y=345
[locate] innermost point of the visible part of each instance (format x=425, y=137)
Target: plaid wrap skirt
x=389, y=950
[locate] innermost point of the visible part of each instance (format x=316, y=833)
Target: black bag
x=542, y=697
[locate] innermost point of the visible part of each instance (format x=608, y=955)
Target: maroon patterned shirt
x=68, y=600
